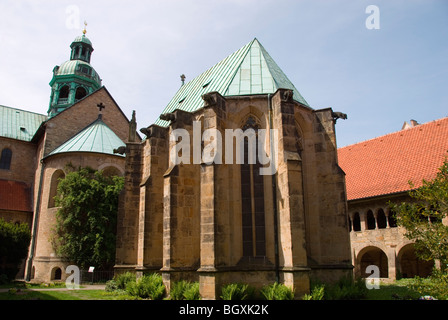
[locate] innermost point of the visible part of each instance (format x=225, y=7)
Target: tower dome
x=75, y=78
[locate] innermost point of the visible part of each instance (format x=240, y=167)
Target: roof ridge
x=23, y=110
x=395, y=132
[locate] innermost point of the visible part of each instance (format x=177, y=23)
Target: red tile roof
x=15, y=196
x=386, y=164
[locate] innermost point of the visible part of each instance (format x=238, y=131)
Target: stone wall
x=194, y=211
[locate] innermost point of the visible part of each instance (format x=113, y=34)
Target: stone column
x=363, y=220
x=209, y=277
x=127, y=217
x=155, y=162
x=180, y=212
x=294, y=271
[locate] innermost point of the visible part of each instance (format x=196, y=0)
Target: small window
x=56, y=274
x=5, y=160
x=85, y=70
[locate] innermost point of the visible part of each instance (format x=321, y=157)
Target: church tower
x=75, y=78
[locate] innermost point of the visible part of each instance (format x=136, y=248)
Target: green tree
x=422, y=218
x=14, y=242
x=86, y=221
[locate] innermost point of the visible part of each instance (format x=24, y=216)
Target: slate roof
x=96, y=137
x=248, y=71
x=19, y=124
x=386, y=164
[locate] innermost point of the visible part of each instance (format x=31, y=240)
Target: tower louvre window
x=81, y=92
x=63, y=94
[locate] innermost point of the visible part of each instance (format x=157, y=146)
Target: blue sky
x=379, y=77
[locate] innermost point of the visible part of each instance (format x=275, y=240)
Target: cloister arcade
x=377, y=240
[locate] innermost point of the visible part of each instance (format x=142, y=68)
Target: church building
x=82, y=127
x=194, y=211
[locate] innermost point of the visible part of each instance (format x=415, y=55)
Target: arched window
x=370, y=220
x=252, y=199
x=63, y=94
x=5, y=159
x=56, y=274
x=356, y=222
x=392, y=219
x=381, y=219
x=57, y=176
x=81, y=92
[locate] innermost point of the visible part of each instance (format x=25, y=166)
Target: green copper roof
x=97, y=137
x=248, y=71
x=19, y=124
x=77, y=67
x=82, y=38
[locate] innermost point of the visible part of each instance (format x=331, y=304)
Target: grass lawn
x=397, y=290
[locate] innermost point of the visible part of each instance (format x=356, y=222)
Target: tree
x=14, y=242
x=86, y=221
x=423, y=218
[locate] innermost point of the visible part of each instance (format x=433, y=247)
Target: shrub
x=148, y=286
x=192, y=292
x=237, y=291
x=14, y=242
x=435, y=285
x=346, y=289
x=277, y=291
x=185, y=290
x=317, y=293
x=122, y=279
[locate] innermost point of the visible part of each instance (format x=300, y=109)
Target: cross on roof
x=101, y=106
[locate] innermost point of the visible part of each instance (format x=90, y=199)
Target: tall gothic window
x=252, y=199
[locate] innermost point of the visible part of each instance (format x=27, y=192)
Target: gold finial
x=85, y=26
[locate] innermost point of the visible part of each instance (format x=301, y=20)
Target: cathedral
x=196, y=211
x=190, y=210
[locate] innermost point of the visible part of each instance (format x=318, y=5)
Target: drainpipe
x=274, y=197
x=35, y=223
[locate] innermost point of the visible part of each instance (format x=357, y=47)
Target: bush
x=122, y=279
x=237, y=291
x=14, y=242
x=148, y=286
x=192, y=292
x=184, y=290
x=344, y=289
x=435, y=285
x=317, y=293
x=277, y=291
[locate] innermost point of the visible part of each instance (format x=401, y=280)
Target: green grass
x=397, y=290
